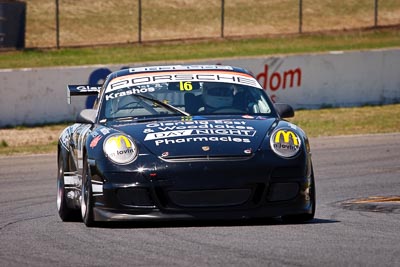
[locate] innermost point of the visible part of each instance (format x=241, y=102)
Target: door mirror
x=284, y=110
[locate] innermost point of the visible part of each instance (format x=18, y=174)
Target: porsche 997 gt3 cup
x=183, y=142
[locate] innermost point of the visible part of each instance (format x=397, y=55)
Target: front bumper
x=205, y=190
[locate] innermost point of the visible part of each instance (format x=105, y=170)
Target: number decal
x=185, y=86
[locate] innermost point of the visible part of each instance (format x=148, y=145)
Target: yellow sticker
x=185, y=86
x=287, y=135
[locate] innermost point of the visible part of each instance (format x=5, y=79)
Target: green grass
x=349, y=121
x=374, y=39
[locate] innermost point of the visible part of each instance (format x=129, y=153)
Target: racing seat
x=192, y=103
x=239, y=101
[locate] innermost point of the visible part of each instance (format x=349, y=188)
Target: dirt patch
x=20, y=137
x=386, y=204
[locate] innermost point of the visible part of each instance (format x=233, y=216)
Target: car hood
x=200, y=137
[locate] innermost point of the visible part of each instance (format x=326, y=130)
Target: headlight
x=120, y=149
x=285, y=143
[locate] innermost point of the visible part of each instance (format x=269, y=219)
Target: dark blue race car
x=183, y=142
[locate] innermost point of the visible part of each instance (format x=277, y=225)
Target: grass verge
x=323, y=122
x=128, y=54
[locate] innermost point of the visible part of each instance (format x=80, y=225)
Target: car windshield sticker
x=129, y=92
x=204, y=76
x=180, y=67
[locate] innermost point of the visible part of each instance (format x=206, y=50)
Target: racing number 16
x=185, y=86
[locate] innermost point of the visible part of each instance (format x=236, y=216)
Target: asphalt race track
x=346, y=168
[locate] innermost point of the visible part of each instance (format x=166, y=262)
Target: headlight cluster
x=120, y=149
x=285, y=143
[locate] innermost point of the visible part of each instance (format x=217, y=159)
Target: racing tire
x=305, y=217
x=87, y=196
x=66, y=214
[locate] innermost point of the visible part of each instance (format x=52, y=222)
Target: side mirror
x=87, y=116
x=284, y=110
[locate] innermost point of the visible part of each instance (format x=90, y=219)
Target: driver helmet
x=217, y=95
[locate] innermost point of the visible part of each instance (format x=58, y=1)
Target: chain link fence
x=68, y=23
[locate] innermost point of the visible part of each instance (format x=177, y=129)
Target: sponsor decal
x=167, y=141
x=199, y=131
x=94, y=134
x=180, y=67
x=285, y=143
x=129, y=92
x=66, y=135
x=104, y=131
x=222, y=124
x=247, y=117
x=120, y=149
x=151, y=78
x=279, y=80
x=88, y=88
x=179, y=133
x=187, y=118
x=205, y=148
x=247, y=151
x=95, y=141
x=82, y=130
x=64, y=139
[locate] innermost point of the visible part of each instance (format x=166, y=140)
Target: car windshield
x=184, y=98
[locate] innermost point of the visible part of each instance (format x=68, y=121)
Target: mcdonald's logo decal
x=287, y=135
x=118, y=139
x=120, y=149
x=285, y=143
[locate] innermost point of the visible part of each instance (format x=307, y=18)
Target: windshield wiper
x=165, y=105
x=138, y=119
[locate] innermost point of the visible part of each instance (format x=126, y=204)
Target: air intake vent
x=210, y=198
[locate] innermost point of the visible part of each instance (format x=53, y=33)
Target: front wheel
x=87, y=196
x=66, y=214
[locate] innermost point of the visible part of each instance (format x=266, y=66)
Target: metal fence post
x=140, y=21
x=222, y=17
x=57, y=25
x=376, y=13
x=300, y=16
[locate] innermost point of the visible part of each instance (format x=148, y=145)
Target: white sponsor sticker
x=200, y=131
x=202, y=139
x=151, y=78
x=180, y=67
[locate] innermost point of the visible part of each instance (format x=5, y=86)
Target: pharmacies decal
x=199, y=131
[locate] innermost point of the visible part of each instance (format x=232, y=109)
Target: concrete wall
x=31, y=96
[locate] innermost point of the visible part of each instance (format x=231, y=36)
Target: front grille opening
x=135, y=197
x=210, y=198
